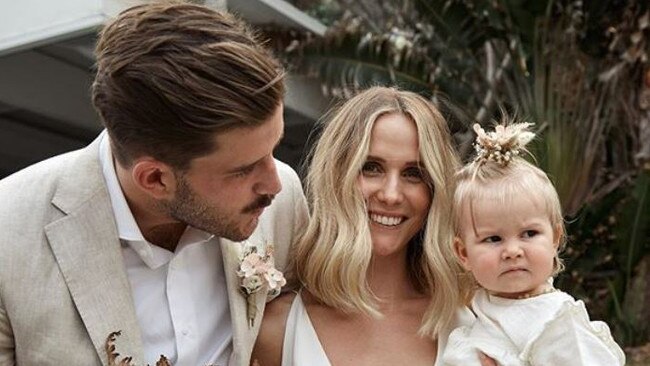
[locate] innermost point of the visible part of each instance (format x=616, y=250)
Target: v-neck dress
x=302, y=347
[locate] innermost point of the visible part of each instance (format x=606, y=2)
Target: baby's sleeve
x=459, y=350
x=465, y=343
x=570, y=339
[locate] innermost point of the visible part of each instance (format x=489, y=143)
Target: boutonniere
x=255, y=271
x=113, y=355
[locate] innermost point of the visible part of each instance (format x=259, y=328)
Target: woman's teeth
x=386, y=220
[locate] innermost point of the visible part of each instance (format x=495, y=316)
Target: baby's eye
x=530, y=233
x=492, y=239
x=371, y=168
x=413, y=175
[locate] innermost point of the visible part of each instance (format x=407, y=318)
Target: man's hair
x=170, y=76
x=333, y=256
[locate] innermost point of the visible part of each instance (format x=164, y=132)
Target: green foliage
x=609, y=240
x=579, y=70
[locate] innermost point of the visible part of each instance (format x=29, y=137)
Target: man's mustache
x=261, y=202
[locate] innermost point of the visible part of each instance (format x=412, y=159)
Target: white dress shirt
x=181, y=299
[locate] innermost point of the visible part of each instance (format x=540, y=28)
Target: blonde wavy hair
x=332, y=257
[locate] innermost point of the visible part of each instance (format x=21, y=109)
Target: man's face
x=225, y=192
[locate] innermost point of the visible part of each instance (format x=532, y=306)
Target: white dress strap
x=301, y=345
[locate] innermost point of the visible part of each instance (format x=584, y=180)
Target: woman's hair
x=171, y=76
x=499, y=173
x=332, y=257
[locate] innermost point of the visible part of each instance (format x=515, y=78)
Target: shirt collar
x=127, y=228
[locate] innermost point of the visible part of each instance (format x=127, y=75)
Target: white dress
x=550, y=329
x=302, y=347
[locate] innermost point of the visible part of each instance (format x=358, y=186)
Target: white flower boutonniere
x=255, y=271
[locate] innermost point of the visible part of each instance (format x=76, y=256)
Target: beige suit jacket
x=63, y=285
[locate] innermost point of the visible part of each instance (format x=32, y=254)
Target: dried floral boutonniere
x=113, y=355
x=255, y=271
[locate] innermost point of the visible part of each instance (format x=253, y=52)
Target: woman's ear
x=461, y=252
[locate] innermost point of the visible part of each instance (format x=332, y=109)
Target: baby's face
x=509, y=248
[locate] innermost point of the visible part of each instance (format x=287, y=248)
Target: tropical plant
x=580, y=70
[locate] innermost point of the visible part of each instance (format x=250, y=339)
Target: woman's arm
x=268, y=346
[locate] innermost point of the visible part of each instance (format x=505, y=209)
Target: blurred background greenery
x=578, y=69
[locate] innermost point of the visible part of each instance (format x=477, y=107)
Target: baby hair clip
x=502, y=144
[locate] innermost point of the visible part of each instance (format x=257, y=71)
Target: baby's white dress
x=302, y=347
x=551, y=329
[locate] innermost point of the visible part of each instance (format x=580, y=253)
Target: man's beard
x=189, y=208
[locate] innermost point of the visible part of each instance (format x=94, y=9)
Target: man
x=140, y=231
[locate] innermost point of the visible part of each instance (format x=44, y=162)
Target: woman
x=379, y=284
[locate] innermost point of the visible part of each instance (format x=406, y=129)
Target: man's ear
x=461, y=253
x=154, y=178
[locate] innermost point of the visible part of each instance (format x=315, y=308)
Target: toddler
x=509, y=229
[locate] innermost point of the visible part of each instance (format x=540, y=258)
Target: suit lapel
x=87, y=249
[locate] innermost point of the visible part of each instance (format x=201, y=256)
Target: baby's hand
x=485, y=360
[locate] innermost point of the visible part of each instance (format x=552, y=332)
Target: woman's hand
x=485, y=360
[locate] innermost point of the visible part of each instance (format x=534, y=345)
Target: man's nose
x=269, y=181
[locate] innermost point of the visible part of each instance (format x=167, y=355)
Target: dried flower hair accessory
x=502, y=144
x=255, y=271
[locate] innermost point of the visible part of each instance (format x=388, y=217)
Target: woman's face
x=394, y=185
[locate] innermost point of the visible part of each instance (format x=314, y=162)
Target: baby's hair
x=499, y=172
